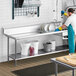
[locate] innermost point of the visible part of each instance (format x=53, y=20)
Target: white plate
x=51, y=27
x=46, y=27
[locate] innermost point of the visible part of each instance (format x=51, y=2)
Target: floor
x=6, y=68
x=67, y=73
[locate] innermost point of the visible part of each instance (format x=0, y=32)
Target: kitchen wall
x=46, y=15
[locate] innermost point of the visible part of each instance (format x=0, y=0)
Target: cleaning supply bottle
x=31, y=51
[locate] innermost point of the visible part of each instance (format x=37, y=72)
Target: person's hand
x=58, y=29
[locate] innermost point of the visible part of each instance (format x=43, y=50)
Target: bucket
x=47, y=47
x=53, y=45
x=25, y=48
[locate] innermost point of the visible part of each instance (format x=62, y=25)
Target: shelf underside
x=21, y=36
x=40, y=53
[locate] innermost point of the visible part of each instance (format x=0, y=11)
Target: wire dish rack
x=25, y=8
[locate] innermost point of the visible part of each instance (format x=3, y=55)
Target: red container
x=31, y=51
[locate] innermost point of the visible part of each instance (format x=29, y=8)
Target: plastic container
x=30, y=48
x=35, y=44
x=53, y=45
x=25, y=48
x=47, y=47
x=31, y=51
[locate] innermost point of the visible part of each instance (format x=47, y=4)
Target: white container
x=47, y=47
x=35, y=44
x=53, y=45
x=25, y=48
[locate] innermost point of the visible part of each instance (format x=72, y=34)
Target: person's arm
x=63, y=26
x=68, y=21
x=66, y=24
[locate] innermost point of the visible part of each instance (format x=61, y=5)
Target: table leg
x=15, y=52
x=15, y=62
x=8, y=47
x=56, y=69
x=72, y=72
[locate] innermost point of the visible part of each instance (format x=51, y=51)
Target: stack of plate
x=48, y=28
x=51, y=28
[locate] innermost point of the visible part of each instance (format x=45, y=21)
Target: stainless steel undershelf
x=40, y=53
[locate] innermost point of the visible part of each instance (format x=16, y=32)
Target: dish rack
x=25, y=8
